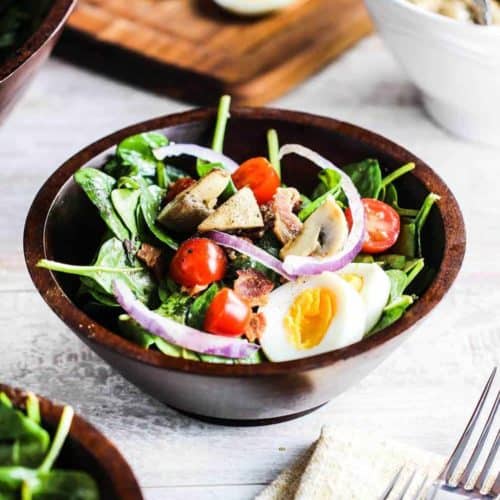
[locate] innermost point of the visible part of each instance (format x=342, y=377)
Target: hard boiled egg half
x=253, y=7
x=322, y=313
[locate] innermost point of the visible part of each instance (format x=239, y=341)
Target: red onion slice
x=178, y=334
x=297, y=265
x=256, y=253
x=200, y=152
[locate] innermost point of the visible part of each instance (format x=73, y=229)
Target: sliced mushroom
x=195, y=203
x=323, y=234
x=241, y=211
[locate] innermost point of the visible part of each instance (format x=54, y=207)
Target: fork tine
x=452, y=462
x=495, y=490
x=466, y=474
x=489, y=461
x=420, y=489
x=391, y=485
x=406, y=487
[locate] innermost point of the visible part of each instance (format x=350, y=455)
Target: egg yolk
x=355, y=280
x=309, y=317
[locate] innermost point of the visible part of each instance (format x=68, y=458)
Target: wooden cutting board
x=194, y=50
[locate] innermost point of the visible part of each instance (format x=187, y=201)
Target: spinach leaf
x=197, y=312
x=22, y=440
x=110, y=264
x=175, y=307
x=329, y=185
x=393, y=261
x=399, y=281
x=125, y=202
x=98, y=186
x=131, y=330
x=392, y=313
x=151, y=199
x=38, y=482
x=203, y=168
x=315, y=204
x=63, y=484
x=410, y=237
x=366, y=176
x=364, y=258
x=136, y=152
x=329, y=182
x=390, y=178
x=389, y=195
x=421, y=217
x=407, y=240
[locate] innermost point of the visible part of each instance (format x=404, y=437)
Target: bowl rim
x=55, y=18
x=92, y=440
x=487, y=31
x=92, y=332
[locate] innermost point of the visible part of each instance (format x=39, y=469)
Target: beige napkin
x=349, y=465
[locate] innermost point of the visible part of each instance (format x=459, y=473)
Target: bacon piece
x=153, y=258
x=286, y=224
x=177, y=187
x=253, y=287
x=256, y=327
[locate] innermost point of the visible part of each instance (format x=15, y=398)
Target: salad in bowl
x=222, y=262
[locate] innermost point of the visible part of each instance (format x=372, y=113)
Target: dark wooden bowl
x=21, y=65
x=63, y=225
x=86, y=449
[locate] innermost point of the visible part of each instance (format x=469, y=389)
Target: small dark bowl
x=63, y=225
x=17, y=71
x=85, y=449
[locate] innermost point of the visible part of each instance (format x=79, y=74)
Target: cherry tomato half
x=382, y=225
x=227, y=314
x=198, y=261
x=259, y=175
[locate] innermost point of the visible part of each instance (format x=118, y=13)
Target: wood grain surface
x=195, y=49
x=421, y=395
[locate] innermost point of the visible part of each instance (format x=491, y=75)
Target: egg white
x=253, y=7
x=375, y=289
x=347, y=325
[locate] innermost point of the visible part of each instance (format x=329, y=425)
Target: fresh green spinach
x=136, y=152
x=35, y=478
x=125, y=203
x=151, y=199
x=111, y=263
x=366, y=176
x=98, y=187
x=200, y=305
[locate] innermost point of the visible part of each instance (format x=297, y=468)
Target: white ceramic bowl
x=455, y=65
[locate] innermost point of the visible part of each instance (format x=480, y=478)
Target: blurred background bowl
x=17, y=71
x=455, y=65
x=63, y=225
x=85, y=449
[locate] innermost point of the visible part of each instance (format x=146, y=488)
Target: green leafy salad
x=18, y=20
x=28, y=454
x=221, y=262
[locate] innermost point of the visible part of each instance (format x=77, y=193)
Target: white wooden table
x=421, y=395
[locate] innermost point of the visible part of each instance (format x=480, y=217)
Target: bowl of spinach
x=65, y=225
x=29, y=30
x=46, y=451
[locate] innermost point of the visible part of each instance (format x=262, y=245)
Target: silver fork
x=442, y=487
x=406, y=487
x=444, y=480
